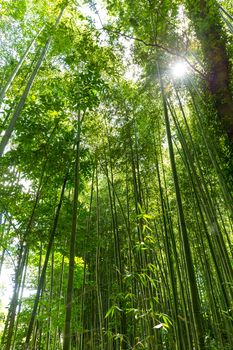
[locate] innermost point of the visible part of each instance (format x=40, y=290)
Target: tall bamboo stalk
x=195, y=302
x=18, y=110
x=69, y=297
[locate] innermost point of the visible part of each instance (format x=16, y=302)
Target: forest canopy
x=116, y=141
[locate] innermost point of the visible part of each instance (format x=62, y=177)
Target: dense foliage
x=116, y=174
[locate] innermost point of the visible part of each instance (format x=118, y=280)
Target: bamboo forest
x=116, y=175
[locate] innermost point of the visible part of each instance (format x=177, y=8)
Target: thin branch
x=159, y=46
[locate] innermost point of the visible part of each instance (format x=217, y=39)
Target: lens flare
x=179, y=69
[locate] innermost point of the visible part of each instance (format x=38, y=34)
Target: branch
x=159, y=46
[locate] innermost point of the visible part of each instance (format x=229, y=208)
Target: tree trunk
x=17, y=68
x=194, y=296
x=207, y=23
x=43, y=273
x=69, y=298
x=21, y=103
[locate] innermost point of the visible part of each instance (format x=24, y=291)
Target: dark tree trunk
x=207, y=23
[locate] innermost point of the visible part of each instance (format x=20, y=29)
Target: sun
x=179, y=69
